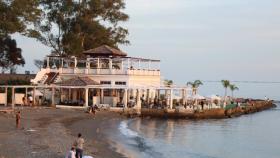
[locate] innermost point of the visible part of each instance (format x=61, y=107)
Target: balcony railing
x=106, y=71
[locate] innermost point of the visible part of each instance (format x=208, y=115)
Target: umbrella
x=37, y=93
x=215, y=97
x=197, y=96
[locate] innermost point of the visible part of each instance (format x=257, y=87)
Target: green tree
x=168, y=83
x=15, y=17
x=194, y=85
x=233, y=88
x=10, y=54
x=70, y=27
x=226, y=84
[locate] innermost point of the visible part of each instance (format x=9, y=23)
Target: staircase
x=51, y=78
x=39, y=76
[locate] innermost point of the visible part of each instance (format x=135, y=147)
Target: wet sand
x=49, y=133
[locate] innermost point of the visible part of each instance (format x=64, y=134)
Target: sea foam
x=123, y=127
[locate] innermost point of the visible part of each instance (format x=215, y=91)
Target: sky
x=201, y=39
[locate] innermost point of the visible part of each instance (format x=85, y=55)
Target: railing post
x=6, y=98
x=13, y=97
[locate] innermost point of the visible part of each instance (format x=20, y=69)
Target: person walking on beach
x=79, y=144
x=18, y=119
x=71, y=153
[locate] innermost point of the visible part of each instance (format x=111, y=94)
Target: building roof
x=104, y=50
x=78, y=81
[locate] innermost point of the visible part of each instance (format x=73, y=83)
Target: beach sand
x=49, y=133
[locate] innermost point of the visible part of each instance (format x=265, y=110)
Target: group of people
x=27, y=100
x=77, y=148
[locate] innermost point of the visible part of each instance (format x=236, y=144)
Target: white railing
x=107, y=71
x=67, y=71
x=79, y=71
x=144, y=72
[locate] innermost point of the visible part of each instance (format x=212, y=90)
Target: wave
x=126, y=131
x=138, y=142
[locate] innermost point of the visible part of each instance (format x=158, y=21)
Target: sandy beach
x=49, y=133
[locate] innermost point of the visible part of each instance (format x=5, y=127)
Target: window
x=105, y=82
x=120, y=83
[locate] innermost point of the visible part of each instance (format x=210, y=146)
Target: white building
x=103, y=76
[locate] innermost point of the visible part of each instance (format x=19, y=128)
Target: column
x=110, y=64
x=75, y=62
x=184, y=93
x=33, y=96
x=138, y=103
x=13, y=97
x=6, y=99
x=171, y=98
x=48, y=62
x=125, y=98
x=26, y=90
x=86, y=97
x=166, y=96
x=101, y=96
x=148, y=91
x=98, y=66
x=62, y=64
x=53, y=101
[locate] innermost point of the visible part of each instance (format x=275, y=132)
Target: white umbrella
x=37, y=93
x=215, y=97
x=197, y=96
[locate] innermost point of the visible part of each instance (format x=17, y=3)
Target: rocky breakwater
x=228, y=112
x=254, y=106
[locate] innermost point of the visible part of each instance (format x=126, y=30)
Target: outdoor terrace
x=102, y=66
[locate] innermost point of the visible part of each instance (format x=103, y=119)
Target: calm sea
x=255, y=135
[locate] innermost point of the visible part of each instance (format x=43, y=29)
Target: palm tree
x=226, y=84
x=233, y=87
x=195, y=86
x=168, y=83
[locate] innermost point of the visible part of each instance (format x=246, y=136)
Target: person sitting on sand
x=18, y=119
x=71, y=153
x=79, y=144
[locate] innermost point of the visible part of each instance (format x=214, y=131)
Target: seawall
x=255, y=106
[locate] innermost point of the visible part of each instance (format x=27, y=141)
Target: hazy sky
x=202, y=39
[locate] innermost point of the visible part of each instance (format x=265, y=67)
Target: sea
x=255, y=135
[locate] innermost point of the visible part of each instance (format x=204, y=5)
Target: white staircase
x=39, y=76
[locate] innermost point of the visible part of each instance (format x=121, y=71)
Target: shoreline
x=49, y=132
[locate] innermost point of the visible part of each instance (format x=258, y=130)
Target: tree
x=70, y=27
x=168, y=83
x=10, y=54
x=225, y=84
x=233, y=87
x=15, y=16
x=38, y=63
x=194, y=85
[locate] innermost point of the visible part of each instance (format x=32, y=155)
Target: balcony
x=104, y=66
x=140, y=72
